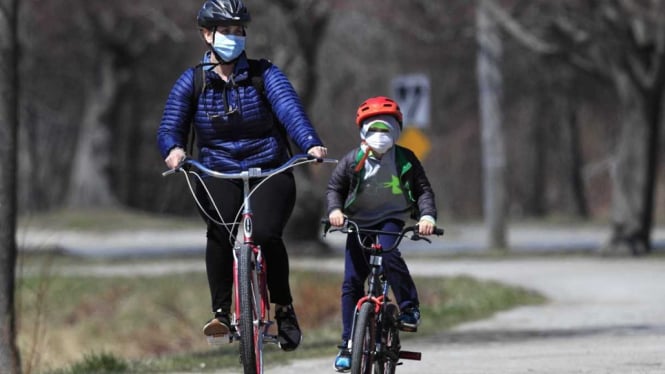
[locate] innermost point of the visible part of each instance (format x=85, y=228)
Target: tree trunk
x=634, y=167
x=573, y=162
x=538, y=139
x=9, y=89
x=494, y=156
x=90, y=184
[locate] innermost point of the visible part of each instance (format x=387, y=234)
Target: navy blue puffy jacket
x=234, y=125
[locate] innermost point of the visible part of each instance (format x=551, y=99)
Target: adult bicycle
x=250, y=321
x=375, y=344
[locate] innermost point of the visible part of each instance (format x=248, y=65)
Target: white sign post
x=412, y=93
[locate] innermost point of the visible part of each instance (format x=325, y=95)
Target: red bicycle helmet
x=376, y=106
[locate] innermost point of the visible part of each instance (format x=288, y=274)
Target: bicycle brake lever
x=326, y=226
x=171, y=171
x=417, y=236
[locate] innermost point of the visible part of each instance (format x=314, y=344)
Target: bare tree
x=9, y=356
x=121, y=35
x=494, y=155
x=623, y=43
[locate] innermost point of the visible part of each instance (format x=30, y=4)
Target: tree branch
x=519, y=33
x=645, y=33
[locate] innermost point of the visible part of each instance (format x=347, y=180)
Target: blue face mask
x=228, y=47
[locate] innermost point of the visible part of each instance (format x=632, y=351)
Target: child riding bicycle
x=379, y=185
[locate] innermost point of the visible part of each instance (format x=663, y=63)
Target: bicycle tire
x=364, y=343
x=391, y=347
x=248, y=335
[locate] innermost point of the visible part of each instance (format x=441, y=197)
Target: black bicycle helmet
x=223, y=13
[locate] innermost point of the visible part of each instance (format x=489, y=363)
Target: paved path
x=605, y=316
x=467, y=238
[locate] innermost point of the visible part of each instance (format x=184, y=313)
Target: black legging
x=272, y=204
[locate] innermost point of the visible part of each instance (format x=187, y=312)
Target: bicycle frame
x=251, y=321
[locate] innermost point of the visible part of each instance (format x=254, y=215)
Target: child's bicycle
x=250, y=322
x=375, y=345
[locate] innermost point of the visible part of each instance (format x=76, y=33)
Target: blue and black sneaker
x=409, y=319
x=343, y=359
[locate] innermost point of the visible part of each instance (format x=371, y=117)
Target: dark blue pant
x=356, y=271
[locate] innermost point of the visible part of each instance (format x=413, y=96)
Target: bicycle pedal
x=407, y=328
x=219, y=340
x=410, y=355
x=272, y=339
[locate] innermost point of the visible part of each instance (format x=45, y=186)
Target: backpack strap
x=256, y=70
x=199, y=87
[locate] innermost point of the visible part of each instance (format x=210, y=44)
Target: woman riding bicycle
x=235, y=131
x=379, y=185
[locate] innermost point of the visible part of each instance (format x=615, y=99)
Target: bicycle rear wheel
x=251, y=337
x=364, y=343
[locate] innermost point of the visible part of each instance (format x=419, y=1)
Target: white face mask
x=380, y=142
x=228, y=47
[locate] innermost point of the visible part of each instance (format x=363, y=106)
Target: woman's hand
x=336, y=218
x=175, y=157
x=318, y=151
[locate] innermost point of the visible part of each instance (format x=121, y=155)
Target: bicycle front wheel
x=390, y=355
x=251, y=338
x=364, y=343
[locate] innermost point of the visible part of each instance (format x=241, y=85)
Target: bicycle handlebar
x=352, y=227
x=251, y=172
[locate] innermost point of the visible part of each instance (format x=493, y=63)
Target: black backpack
x=256, y=69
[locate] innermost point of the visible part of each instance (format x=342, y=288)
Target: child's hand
x=336, y=218
x=425, y=227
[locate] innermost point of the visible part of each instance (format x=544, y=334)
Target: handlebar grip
x=438, y=231
x=181, y=165
x=169, y=172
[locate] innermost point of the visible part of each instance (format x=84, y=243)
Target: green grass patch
x=71, y=325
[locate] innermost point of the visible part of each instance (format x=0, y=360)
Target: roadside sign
x=414, y=139
x=412, y=93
